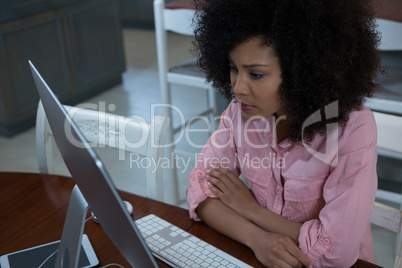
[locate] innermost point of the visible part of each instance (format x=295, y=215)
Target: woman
x=297, y=129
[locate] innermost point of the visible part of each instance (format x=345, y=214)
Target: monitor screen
x=93, y=180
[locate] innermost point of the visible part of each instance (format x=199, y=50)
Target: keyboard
x=179, y=248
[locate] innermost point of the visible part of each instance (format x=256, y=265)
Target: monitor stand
x=70, y=245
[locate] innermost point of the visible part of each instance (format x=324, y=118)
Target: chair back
x=389, y=143
x=177, y=17
x=391, y=219
x=179, y=21
x=389, y=99
x=391, y=34
x=389, y=130
x=109, y=130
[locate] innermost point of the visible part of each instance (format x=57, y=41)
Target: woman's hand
x=276, y=250
x=231, y=190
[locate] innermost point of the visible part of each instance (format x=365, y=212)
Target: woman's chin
x=247, y=115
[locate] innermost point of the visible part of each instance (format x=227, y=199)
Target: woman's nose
x=239, y=86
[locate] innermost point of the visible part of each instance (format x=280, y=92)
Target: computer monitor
x=93, y=180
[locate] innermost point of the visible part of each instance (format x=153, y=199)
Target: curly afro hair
x=327, y=51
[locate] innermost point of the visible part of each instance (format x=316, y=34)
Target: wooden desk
x=389, y=10
x=34, y=206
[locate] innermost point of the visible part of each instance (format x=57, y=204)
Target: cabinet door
x=39, y=39
x=95, y=43
x=14, y=9
x=138, y=13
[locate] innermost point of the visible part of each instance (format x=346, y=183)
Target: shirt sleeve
x=218, y=151
x=334, y=239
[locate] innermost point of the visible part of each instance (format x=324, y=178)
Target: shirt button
x=327, y=241
x=279, y=191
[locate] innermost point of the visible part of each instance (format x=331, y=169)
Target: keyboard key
x=174, y=234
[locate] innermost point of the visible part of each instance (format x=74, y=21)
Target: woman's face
x=255, y=76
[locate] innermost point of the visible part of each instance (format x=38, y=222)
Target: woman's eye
x=232, y=68
x=256, y=75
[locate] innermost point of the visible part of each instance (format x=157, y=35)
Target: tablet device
x=44, y=256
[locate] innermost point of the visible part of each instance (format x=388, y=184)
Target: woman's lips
x=245, y=107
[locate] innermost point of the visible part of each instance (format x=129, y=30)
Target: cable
x=112, y=264
x=89, y=218
x=51, y=255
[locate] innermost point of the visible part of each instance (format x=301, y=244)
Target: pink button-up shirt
x=328, y=185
